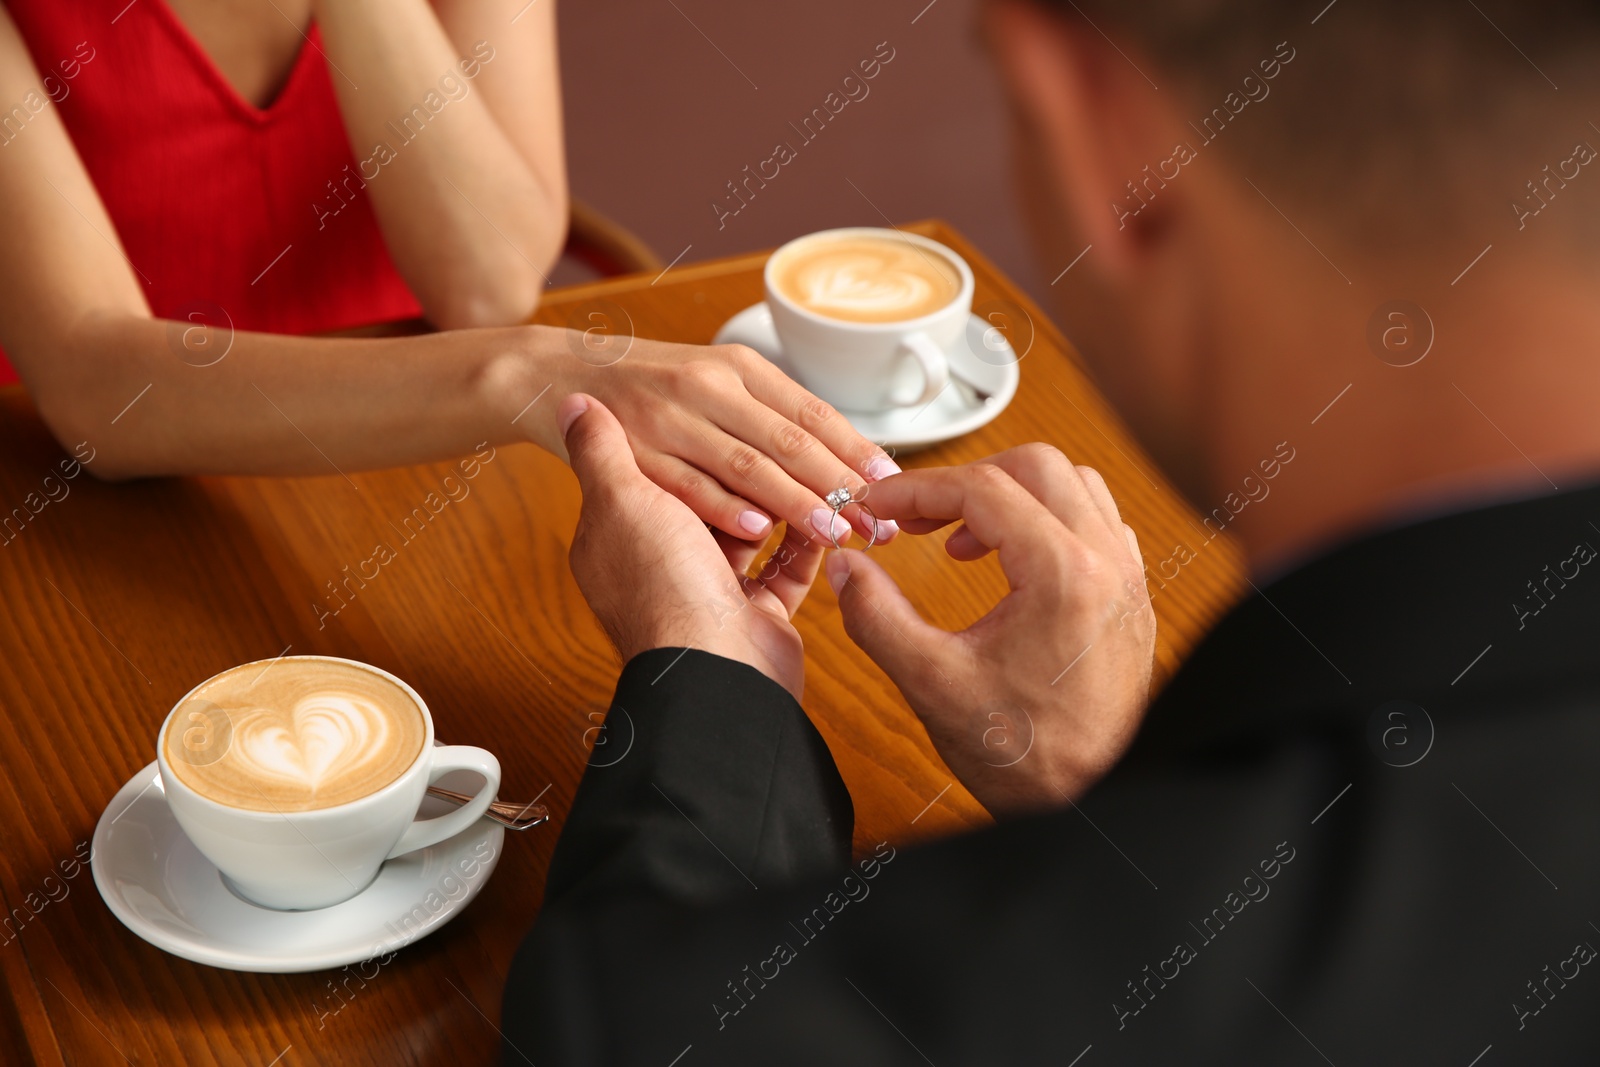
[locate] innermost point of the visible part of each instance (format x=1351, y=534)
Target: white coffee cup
x=299, y=860
x=869, y=366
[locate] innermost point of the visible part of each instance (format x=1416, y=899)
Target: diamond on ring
x=836, y=500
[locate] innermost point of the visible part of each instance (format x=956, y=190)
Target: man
x=1359, y=826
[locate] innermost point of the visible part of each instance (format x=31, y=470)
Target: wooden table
x=118, y=598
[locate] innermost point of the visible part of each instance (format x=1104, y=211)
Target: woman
x=200, y=192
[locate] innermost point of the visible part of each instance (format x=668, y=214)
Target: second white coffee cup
x=869, y=366
x=298, y=860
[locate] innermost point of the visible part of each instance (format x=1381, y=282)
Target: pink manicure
x=829, y=524
x=753, y=522
x=880, y=468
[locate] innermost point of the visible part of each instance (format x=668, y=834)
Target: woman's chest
x=254, y=44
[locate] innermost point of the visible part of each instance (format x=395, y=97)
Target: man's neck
x=1506, y=403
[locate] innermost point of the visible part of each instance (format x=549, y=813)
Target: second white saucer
x=159, y=885
x=949, y=415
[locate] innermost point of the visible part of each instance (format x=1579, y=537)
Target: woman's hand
x=721, y=429
x=655, y=577
x=1036, y=700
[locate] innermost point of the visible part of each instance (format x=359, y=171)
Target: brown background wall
x=659, y=120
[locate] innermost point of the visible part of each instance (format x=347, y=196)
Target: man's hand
x=1036, y=700
x=656, y=577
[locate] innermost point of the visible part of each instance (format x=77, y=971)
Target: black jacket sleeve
x=707, y=783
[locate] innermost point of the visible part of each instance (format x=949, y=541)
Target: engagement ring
x=836, y=500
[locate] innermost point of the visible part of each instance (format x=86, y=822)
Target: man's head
x=1254, y=181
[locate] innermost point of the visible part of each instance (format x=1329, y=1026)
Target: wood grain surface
x=119, y=598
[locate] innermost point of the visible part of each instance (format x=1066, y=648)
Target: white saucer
x=949, y=415
x=161, y=887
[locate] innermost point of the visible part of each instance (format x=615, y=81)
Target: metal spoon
x=975, y=396
x=505, y=812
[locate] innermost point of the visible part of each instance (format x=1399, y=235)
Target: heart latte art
x=866, y=279
x=294, y=735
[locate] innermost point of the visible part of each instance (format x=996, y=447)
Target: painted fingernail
x=838, y=570
x=571, y=408
x=830, y=524
x=887, y=528
x=880, y=468
x=754, y=522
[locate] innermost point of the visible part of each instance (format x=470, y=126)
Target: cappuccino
x=293, y=735
x=865, y=278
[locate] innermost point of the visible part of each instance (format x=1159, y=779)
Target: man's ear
x=1096, y=120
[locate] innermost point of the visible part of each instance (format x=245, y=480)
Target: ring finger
x=805, y=459
x=745, y=469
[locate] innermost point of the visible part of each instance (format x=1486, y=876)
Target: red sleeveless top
x=218, y=203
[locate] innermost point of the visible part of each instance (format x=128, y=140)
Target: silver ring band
x=837, y=500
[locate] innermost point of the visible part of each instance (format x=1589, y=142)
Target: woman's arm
x=74, y=321
x=719, y=427
x=454, y=115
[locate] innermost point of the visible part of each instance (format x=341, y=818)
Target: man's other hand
x=1036, y=700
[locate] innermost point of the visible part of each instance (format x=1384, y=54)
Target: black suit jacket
x=1361, y=826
